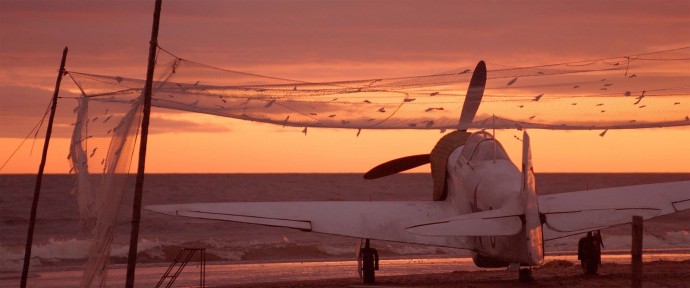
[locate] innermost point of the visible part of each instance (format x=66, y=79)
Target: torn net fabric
x=101, y=150
x=636, y=91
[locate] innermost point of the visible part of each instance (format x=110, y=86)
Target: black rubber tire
x=368, y=273
x=525, y=275
x=590, y=266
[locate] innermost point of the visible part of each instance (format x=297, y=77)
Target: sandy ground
x=556, y=273
x=660, y=270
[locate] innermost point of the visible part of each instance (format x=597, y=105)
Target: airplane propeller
x=475, y=91
x=397, y=165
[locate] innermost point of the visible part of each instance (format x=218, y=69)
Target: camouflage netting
x=635, y=91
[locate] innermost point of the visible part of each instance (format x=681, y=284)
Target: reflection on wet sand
x=264, y=272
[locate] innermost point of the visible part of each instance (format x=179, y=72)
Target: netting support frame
x=139, y=187
x=39, y=176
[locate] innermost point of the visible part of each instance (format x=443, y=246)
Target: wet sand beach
x=552, y=274
x=661, y=269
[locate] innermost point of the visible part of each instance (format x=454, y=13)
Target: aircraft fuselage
x=481, y=177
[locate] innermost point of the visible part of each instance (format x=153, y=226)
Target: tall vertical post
x=138, y=190
x=636, y=252
x=39, y=177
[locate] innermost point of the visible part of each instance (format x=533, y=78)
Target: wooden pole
x=139, y=187
x=39, y=177
x=637, y=252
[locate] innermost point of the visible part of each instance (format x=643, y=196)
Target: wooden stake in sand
x=39, y=177
x=636, y=252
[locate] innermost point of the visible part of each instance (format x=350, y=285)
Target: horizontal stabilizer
x=595, y=219
x=486, y=223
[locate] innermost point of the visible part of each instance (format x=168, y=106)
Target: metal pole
x=39, y=177
x=636, y=251
x=138, y=191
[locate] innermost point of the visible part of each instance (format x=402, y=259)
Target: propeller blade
x=475, y=91
x=474, y=96
x=397, y=165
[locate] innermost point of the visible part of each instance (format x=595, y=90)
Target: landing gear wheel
x=526, y=275
x=368, y=274
x=370, y=263
x=590, y=265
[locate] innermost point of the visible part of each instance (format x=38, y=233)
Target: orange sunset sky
x=320, y=41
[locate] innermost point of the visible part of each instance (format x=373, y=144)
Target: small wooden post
x=636, y=252
x=39, y=177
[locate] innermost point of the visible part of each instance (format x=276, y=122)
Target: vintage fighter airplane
x=482, y=202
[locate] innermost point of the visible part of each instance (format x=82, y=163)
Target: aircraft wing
x=382, y=220
x=576, y=212
x=486, y=223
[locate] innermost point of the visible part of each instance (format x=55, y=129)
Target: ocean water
x=60, y=243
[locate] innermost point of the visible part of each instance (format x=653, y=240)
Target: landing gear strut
x=370, y=262
x=589, y=252
x=526, y=275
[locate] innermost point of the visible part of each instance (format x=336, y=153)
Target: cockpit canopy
x=482, y=146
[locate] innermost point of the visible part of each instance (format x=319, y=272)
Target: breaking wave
x=73, y=252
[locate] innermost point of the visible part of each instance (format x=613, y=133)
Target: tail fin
x=533, y=228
